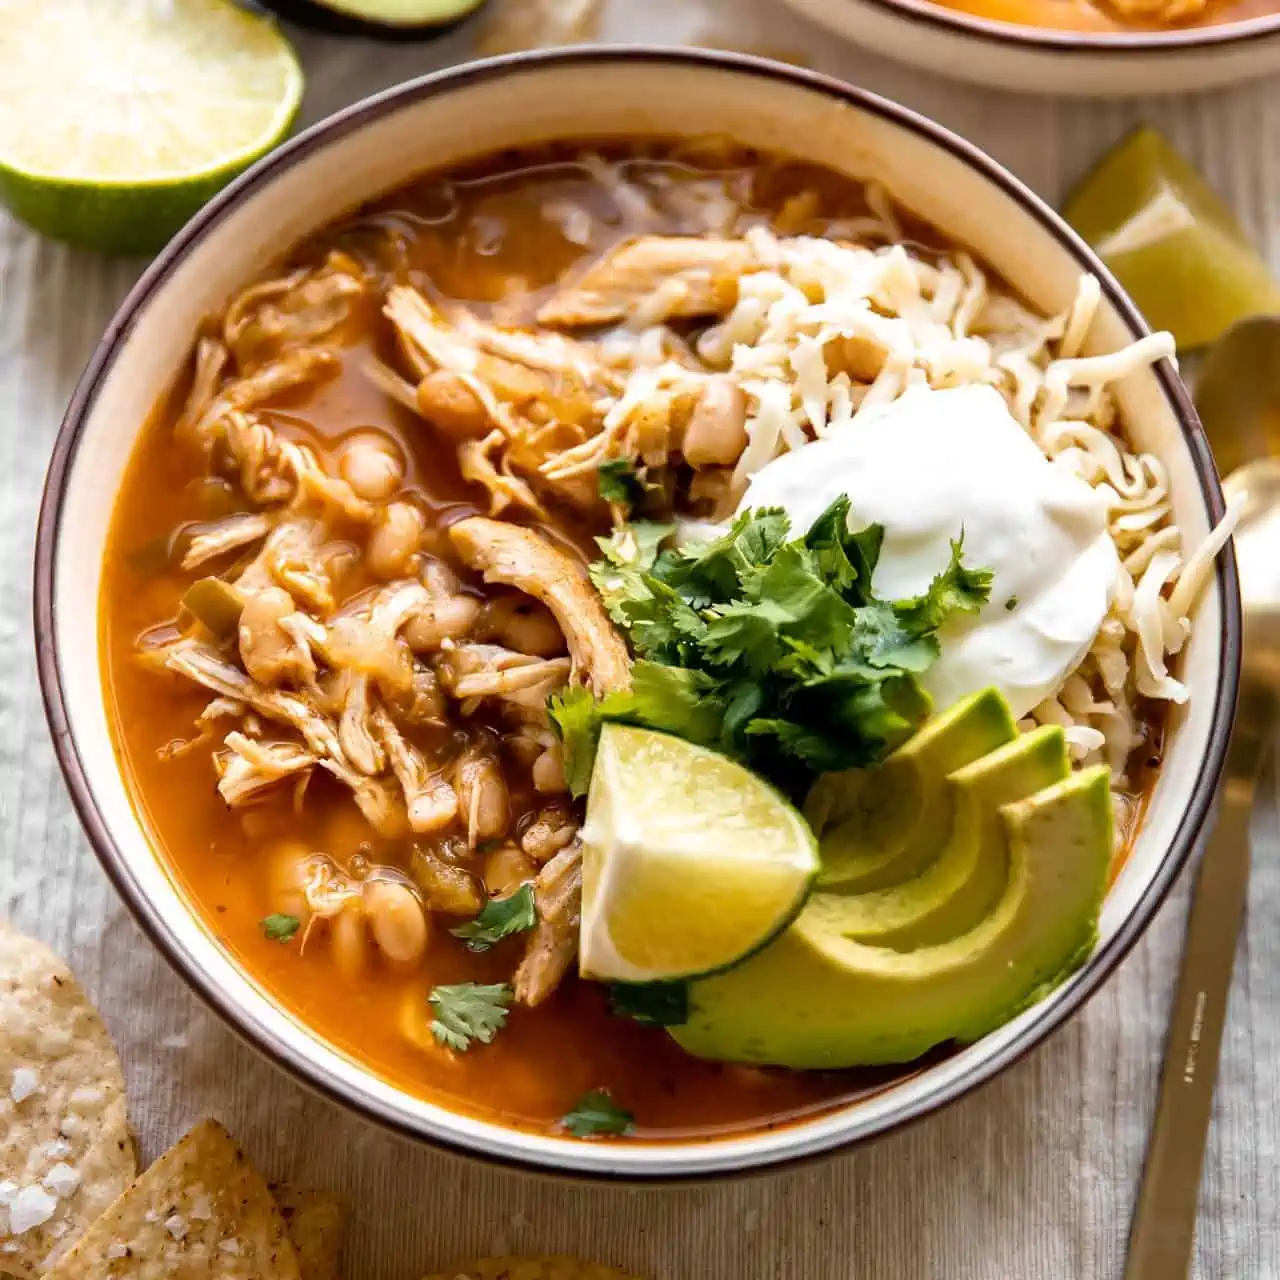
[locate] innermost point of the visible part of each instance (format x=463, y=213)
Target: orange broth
x=1100, y=19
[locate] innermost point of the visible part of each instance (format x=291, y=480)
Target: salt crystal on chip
x=115, y=1251
x=31, y=1207
x=8, y=1189
x=25, y=1083
x=62, y=1180
x=176, y=1226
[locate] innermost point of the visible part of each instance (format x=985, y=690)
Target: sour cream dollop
x=931, y=464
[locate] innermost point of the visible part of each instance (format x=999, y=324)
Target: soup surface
x=1119, y=16
x=336, y=792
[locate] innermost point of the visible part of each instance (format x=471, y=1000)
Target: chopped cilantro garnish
x=596, y=1114
x=467, y=1011
x=661, y=1004
x=1011, y=603
x=499, y=918
x=280, y=928
x=772, y=650
x=617, y=482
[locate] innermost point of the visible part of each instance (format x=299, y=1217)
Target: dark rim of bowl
x=351, y=119
x=1117, y=45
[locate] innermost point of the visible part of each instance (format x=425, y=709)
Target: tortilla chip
x=65, y=1147
x=557, y=1268
x=315, y=1221
x=201, y=1211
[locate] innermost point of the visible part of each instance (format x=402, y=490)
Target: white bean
x=370, y=465
x=348, y=936
x=396, y=920
x=395, y=539
x=717, y=431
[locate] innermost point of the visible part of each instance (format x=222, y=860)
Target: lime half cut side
x=119, y=120
x=691, y=863
x=1170, y=241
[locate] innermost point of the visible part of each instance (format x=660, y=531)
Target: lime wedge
x=690, y=862
x=1170, y=241
x=118, y=121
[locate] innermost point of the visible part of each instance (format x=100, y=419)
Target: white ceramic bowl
x=1004, y=55
x=379, y=144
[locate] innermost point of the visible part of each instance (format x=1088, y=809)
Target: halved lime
x=118, y=121
x=1170, y=240
x=690, y=862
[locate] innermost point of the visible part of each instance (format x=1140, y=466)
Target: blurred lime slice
x=118, y=121
x=690, y=862
x=1170, y=241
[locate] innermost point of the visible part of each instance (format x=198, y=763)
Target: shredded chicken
x=483, y=799
x=432, y=803
x=232, y=533
x=294, y=369
x=506, y=398
x=652, y=279
x=553, y=828
x=520, y=558
x=275, y=316
x=489, y=671
x=247, y=769
x=553, y=943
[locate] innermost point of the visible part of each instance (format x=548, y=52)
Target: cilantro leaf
x=575, y=716
x=596, y=1114
x=499, y=918
x=955, y=590
x=659, y=1004
x=675, y=700
x=280, y=928
x=617, y=482
x=467, y=1011
x=846, y=560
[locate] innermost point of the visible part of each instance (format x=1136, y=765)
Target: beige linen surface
x=1032, y=1179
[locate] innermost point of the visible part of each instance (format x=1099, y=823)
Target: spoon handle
x=1164, y=1222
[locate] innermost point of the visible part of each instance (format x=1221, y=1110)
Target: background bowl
x=1002, y=55
x=435, y=121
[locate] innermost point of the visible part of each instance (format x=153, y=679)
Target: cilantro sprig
x=596, y=1115
x=279, y=927
x=499, y=918
x=773, y=650
x=467, y=1011
x=618, y=482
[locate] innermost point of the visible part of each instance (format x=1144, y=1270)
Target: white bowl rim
x=607, y=1162
x=1122, y=46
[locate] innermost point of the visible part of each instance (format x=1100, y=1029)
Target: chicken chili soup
x=644, y=639
x=1111, y=16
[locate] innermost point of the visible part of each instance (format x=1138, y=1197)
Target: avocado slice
x=377, y=19
x=815, y=999
x=964, y=883
x=879, y=827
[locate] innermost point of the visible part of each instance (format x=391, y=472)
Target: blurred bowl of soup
x=139, y=773
x=1079, y=48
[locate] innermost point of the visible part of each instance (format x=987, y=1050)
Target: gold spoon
x=1238, y=397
